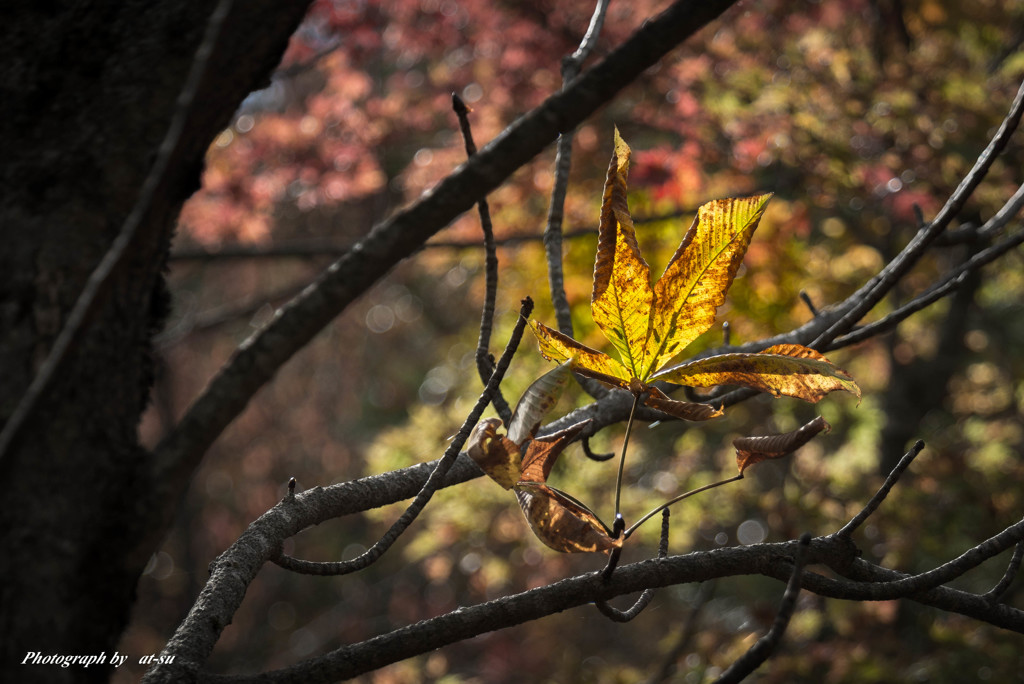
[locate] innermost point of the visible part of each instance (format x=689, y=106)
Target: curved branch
x=766, y=645
x=484, y=360
x=873, y=292
x=571, y=66
x=1002, y=217
x=258, y=359
x=883, y=491
x=996, y=593
x=773, y=560
x=942, y=598
x=563, y=162
x=908, y=585
x=939, y=290
x=591, y=454
x=433, y=482
x=616, y=615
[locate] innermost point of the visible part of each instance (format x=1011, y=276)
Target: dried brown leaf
x=542, y=452
x=539, y=398
x=561, y=522
x=496, y=455
x=686, y=410
x=752, y=450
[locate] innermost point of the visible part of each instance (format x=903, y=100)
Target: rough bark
x=88, y=92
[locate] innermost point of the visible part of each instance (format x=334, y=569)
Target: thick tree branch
x=773, y=560
x=295, y=324
x=467, y=622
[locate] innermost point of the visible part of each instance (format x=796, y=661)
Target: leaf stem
x=622, y=458
x=679, y=498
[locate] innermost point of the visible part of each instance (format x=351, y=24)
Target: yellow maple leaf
x=649, y=326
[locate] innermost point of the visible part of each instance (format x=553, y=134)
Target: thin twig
x=589, y=453
x=953, y=280
x=908, y=585
x=571, y=66
x=874, y=290
x=433, y=482
x=616, y=615
x=664, y=507
x=622, y=457
x=806, y=299
x=1002, y=217
x=217, y=316
x=766, y=645
x=484, y=360
x=882, y=492
x=949, y=284
x=985, y=160
x=553, y=235
x=95, y=289
x=996, y=593
x=563, y=163
x=971, y=232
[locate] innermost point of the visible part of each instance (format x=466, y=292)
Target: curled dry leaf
x=686, y=410
x=501, y=456
x=561, y=522
x=751, y=450
x=542, y=452
x=558, y=520
x=539, y=398
x=497, y=455
x=523, y=462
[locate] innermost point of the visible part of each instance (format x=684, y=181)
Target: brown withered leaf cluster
x=522, y=462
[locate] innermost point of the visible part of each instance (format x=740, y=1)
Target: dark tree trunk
x=88, y=91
